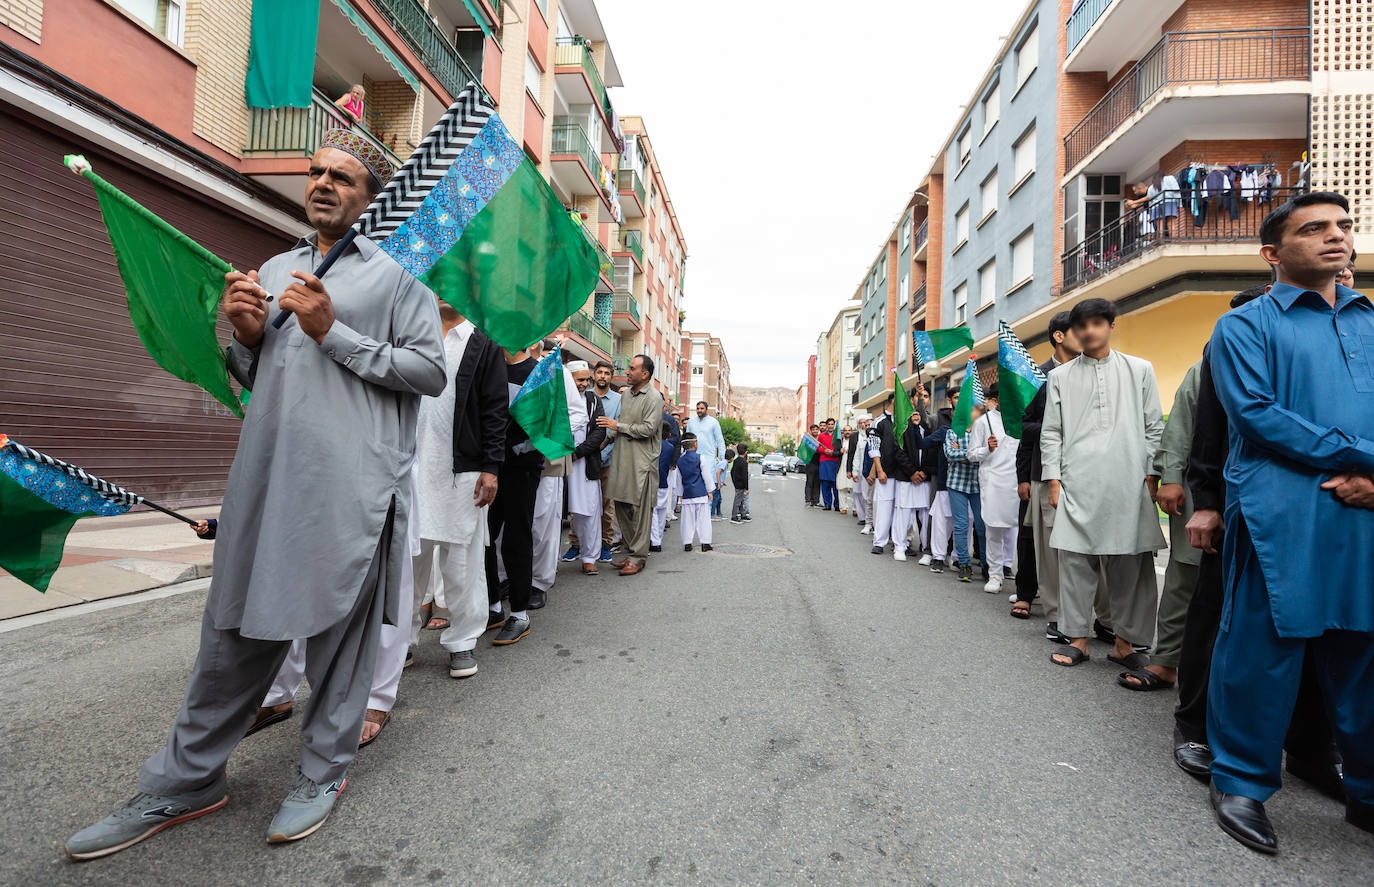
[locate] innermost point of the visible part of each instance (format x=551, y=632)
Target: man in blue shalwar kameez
x=1294, y=370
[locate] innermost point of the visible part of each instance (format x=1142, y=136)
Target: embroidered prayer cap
x=577, y=366
x=367, y=153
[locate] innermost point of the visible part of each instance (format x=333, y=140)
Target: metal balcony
x=297, y=132
x=632, y=242
x=584, y=325
x=1081, y=21
x=1192, y=57
x=628, y=181
x=918, y=298
x=435, y=50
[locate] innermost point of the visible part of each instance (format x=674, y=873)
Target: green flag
x=541, y=408
x=901, y=410
x=1018, y=379
x=970, y=396
x=806, y=450
x=173, y=285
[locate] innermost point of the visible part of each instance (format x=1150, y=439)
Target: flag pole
x=328, y=262
x=167, y=511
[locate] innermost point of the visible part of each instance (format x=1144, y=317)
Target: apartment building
x=878, y=323
x=159, y=95
x=650, y=266
x=705, y=374
x=837, y=366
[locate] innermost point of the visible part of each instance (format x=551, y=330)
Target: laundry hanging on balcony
x=281, y=54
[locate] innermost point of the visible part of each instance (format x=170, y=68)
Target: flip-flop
x=374, y=716
x=267, y=717
x=1076, y=656
x=1134, y=662
x=1147, y=680
x=437, y=623
x=1020, y=614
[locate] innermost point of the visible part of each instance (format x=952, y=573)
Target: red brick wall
x=1281, y=151
x=935, y=252
x=1225, y=15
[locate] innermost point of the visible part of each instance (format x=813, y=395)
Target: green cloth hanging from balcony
x=281, y=54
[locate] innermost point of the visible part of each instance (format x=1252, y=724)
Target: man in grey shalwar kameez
x=313, y=504
x=633, y=481
x=1102, y=428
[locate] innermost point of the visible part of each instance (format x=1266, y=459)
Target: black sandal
x=1017, y=613
x=1145, y=680
x=1135, y=661
x=1075, y=655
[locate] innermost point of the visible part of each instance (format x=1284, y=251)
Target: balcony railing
x=569, y=138
x=632, y=241
x=586, y=326
x=604, y=260
x=418, y=30
x=1081, y=21
x=575, y=51
x=919, y=237
x=629, y=180
x=918, y=298
x=1228, y=218
x=299, y=131
x=1192, y=57
x=625, y=304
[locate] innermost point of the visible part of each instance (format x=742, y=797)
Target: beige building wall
x=217, y=37
x=25, y=16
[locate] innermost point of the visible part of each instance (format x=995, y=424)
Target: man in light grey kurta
x=314, y=500
x=633, y=480
x=1102, y=428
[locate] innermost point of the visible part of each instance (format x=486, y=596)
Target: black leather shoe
x=538, y=599
x=655, y=547
x=1321, y=775
x=1052, y=633
x=1195, y=759
x=1244, y=819
x=1360, y=816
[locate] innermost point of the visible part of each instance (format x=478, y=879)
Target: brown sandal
x=374, y=716
x=269, y=715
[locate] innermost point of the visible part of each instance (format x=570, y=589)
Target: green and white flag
x=1018, y=379
x=541, y=408
x=970, y=396
x=902, y=410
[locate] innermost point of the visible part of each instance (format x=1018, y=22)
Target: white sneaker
x=867, y=530
x=994, y=585
x=924, y=561
x=1011, y=597
x=899, y=555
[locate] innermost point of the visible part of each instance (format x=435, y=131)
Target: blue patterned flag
x=1018, y=378
x=40, y=499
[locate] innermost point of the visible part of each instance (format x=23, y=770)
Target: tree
x=787, y=445
x=733, y=431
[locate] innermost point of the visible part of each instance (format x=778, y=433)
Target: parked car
x=775, y=462
x=795, y=465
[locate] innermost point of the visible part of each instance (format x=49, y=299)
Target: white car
x=775, y=462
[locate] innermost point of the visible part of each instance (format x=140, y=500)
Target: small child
x=696, y=498
x=718, y=475
x=739, y=477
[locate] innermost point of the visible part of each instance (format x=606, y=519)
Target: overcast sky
x=790, y=134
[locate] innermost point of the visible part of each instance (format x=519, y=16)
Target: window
x=1023, y=258
x=987, y=283
x=989, y=195
x=992, y=108
x=1023, y=158
x=965, y=146
x=901, y=349
x=960, y=303
x=906, y=232
x=697, y=371
x=903, y=290
x=532, y=77
x=1027, y=54
x=961, y=226
x=166, y=17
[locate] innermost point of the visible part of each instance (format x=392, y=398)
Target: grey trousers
x=1131, y=585
x=1179, y=581
x=233, y=673
x=635, y=520
x=1040, y=517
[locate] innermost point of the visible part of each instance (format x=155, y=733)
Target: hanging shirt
x=1296, y=377
x=1102, y=428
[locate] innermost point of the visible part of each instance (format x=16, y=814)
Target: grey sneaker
x=305, y=809
x=462, y=664
x=143, y=816
x=512, y=631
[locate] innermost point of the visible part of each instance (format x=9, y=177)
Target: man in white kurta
x=995, y=454
x=584, y=491
x=710, y=439
x=1102, y=428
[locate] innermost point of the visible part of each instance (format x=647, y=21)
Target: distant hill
x=768, y=406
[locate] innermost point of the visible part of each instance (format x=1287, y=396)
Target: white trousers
x=892, y=523
x=941, y=525
x=460, y=570
x=1001, y=547
x=921, y=525
x=861, y=507
x=391, y=656
x=587, y=526
x=696, y=519
x=660, y=516
x=548, y=531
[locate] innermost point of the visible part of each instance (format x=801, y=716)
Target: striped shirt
x=962, y=476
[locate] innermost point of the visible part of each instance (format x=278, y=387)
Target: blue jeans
x=959, y=505
x=716, y=501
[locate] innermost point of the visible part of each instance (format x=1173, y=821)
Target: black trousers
x=1309, y=733
x=813, y=481
x=1027, y=585
x=513, y=513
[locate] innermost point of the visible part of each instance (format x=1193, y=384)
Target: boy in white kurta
x=995, y=454
x=584, y=492
x=696, y=495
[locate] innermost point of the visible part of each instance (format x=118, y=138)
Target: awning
x=478, y=17
x=372, y=37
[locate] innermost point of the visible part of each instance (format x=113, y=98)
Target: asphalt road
x=817, y=716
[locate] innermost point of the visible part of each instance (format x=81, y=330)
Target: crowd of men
x=389, y=413
x=1265, y=471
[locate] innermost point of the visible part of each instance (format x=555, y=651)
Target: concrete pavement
x=811, y=713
